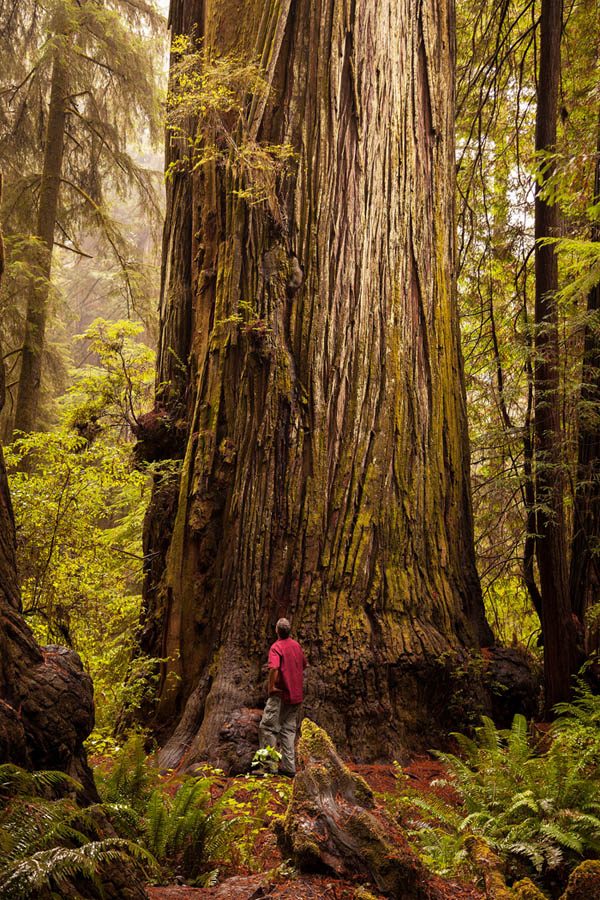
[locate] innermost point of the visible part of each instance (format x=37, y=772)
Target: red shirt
x=287, y=656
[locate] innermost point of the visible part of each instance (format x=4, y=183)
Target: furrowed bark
x=561, y=658
x=325, y=473
x=584, y=582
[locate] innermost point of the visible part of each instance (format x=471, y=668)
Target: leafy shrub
x=192, y=826
x=255, y=803
x=193, y=835
x=175, y=820
x=80, y=573
x=538, y=810
x=266, y=758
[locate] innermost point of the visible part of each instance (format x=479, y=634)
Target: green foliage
x=46, y=843
x=118, y=388
x=193, y=826
x=78, y=510
x=79, y=503
x=539, y=809
x=577, y=727
x=265, y=757
x=132, y=778
x=470, y=685
x=256, y=804
x=58, y=868
x=186, y=831
x=497, y=174
x=222, y=93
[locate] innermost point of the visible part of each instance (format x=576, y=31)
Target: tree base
x=382, y=713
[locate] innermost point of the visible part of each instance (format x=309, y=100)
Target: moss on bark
x=344, y=501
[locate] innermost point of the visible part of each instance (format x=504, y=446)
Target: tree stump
x=527, y=890
x=331, y=824
x=584, y=881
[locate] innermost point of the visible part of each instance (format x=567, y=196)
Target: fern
x=47, y=843
x=132, y=778
x=187, y=832
x=539, y=810
x=578, y=724
x=56, y=869
x=15, y=781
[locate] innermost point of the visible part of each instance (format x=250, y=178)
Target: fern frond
x=59, y=866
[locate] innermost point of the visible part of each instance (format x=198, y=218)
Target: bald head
x=283, y=628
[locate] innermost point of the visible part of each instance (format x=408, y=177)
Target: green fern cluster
x=578, y=723
x=132, y=777
x=539, y=810
x=175, y=820
x=187, y=832
x=47, y=842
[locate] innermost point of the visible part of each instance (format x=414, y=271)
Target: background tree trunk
x=561, y=658
x=30, y=375
x=325, y=473
x=585, y=549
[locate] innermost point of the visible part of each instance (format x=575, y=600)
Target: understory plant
x=48, y=843
x=186, y=832
x=578, y=724
x=193, y=826
x=195, y=835
x=536, y=805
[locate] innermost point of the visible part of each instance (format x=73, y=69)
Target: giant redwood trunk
x=325, y=472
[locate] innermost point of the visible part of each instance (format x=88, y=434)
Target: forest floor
x=272, y=883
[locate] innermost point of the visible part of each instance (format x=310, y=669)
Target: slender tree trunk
x=26, y=413
x=558, y=628
x=325, y=474
x=585, y=550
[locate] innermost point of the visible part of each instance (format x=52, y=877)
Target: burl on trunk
x=309, y=353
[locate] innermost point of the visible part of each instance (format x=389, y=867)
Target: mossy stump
x=331, y=825
x=489, y=865
x=527, y=890
x=584, y=882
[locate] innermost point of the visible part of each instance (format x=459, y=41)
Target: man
x=280, y=718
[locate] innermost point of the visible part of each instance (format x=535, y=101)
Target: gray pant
x=279, y=723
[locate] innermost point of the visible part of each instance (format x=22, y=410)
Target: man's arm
x=273, y=689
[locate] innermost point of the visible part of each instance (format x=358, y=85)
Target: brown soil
x=302, y=887
x=239, y=884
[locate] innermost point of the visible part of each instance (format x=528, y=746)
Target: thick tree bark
x=30, y=376
x=585, y=559
x=325, y=473
x=561, y=658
